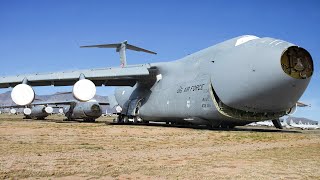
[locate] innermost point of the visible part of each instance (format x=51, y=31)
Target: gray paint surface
x=234, y=82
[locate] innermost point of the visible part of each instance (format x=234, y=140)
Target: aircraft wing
x=126, y=76
x=11, y=106
x=56, y=103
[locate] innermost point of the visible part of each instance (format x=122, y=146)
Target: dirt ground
x=52, y=149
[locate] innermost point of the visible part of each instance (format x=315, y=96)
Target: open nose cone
x=297, y=62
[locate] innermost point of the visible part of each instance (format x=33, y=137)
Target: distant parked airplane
x=303, y=126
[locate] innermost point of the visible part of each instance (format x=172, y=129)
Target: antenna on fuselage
x=121, y=48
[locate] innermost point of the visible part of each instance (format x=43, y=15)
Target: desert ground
x=53, y=149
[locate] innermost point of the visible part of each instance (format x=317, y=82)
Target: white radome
x=27, y=111
x=61, y=111
x=22, y=94
x=49, y=110
x=84, y=90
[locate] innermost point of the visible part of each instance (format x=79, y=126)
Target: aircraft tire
x=89, y=120
x=135, y=120
x=117, y=120
x=126, y=119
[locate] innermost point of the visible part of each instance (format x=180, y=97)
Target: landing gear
x=125, y=119
x=89, y=120
x=122, y=119
x=227, y=126
x=117, y=120
x=27, y=117
x=277, y=124
x=135, y=120
x=222, y=125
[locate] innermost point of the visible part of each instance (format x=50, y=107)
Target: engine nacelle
x=84, y=90
x=61, y=111
x=27, y=111
x=85, y=110
x=22, y=94
x=13, y=111
x=38, y=112
x=48, y=109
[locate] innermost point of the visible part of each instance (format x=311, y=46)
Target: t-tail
x=121, y=48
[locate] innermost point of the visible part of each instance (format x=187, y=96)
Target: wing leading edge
x=127, y=76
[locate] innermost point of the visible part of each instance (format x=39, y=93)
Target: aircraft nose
x=297, y=62
x=261, y=76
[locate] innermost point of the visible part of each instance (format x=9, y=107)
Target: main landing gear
x=277, y=123
x=123, y=119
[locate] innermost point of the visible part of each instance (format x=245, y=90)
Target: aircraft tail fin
x=291, y=122
x=121, y=48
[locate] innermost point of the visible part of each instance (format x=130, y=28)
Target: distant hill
x=66, y=96
x=303, y=120
x=5, y=98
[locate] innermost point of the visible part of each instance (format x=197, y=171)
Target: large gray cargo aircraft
x=236, y=82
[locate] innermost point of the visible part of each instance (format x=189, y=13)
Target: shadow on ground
x=240, y=128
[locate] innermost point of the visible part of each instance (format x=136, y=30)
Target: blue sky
x=42, y=36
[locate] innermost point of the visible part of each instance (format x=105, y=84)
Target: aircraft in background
x=242, y=80
x=72, y=109
x=303, y=126
x=284, y=123
x=88, y=111
x=10, y=109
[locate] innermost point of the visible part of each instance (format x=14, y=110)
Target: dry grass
x=49, y=149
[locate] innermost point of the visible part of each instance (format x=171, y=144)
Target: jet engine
x=37, y=112
x=84, y=110
x=13, y=111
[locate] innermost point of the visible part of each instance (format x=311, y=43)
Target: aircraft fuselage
x=233, y=82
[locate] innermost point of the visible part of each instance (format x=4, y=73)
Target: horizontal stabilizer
x=118, y=46
x=121, y=48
